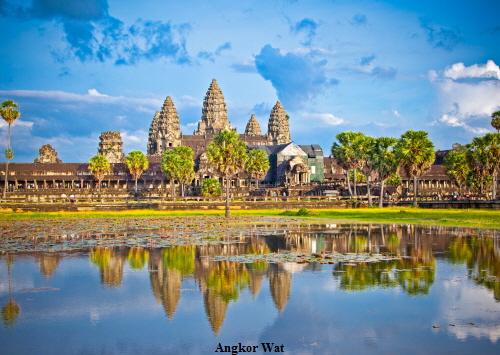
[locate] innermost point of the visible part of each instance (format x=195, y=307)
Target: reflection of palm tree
x=482, y=257
x=180, y=258
x=11, y=310
x=416, y=275
x=362, y=276
x=137, y=258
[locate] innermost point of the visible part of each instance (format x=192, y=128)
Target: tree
x=495, y=120
x=228, y=156
x=169, y=163
x=384, y=162
x=211, y=187
x=9, y=114
x=136, y=162
x=415, y=151
x=257, y=165
x=177, y=164
x=99, y=166
x=345, y=152
x=456, y=166
x=185, y=170
x=365, y=153
x=483, y=157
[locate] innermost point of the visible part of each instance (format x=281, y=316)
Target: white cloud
x=92, y=96
x=328, y=118
x=467, y=95
x=396, y=113
x=459, y=70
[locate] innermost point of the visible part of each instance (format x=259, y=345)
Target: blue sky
x=79, y=68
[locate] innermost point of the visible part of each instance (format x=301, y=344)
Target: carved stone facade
x=214, y=112
x=47, y=155
x=111, y=146
x=253, y=127
x=278, y=131
x=165, y=129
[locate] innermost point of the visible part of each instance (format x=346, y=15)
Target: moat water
x=203, y=286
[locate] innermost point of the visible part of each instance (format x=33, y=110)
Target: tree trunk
x=135, y=185
x=355, y=185
x=227, y=197
x=381, y=198
x=99, y=188
x=370, y=204
x=415, y=191
x=494, y=188
x=348, y=183
x=6, y=185
x=172, y=187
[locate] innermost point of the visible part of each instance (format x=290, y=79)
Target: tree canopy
x=136, y=162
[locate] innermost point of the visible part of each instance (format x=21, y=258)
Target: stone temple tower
x=111, y=146
x=214, y=112
x=278, y=131
x=165, y=129
x=253, y=127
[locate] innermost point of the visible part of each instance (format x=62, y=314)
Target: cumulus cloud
x=307, y=26
x=443, y=38
x=73, y=122
x=468, y=95
x=327, y=118
x=92, y=34
x=296, y=78
x=246, y=65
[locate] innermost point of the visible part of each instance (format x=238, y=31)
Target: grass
x=446, y=217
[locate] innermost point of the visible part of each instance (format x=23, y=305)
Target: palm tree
x=9, y=114
x=456, y=166
x=415, y=151
x=495, y=120
x=483, y=156
x=11, y=310
x=257, y=165
x=345, y=152
x=169, y=163
x=185, y=171
x=177, y=164
x=365, y=151
x=228, y=156
x=384, y=161
x=136, y=162
x=99, y=166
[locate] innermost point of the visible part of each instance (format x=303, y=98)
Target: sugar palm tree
x=99, y=166
x=483, y=156
x=169, y=163
x=495, y=120
x=185, y=170
x=9, y=114
x=384, y=161
x=415, y=152
x=346, y=154
x=136, y=162
x=257, y=165
x=228, y=156
x=456, y=167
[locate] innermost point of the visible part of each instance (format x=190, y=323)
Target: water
x=197, y=285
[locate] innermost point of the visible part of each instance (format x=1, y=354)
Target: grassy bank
x=447, y=217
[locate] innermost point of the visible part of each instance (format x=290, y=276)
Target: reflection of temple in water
x=48, y=263
x=223, y=282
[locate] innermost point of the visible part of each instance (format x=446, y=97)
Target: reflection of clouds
x=464, y=303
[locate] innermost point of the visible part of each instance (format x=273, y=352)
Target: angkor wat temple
x=290, y=164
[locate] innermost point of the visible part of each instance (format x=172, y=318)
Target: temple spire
x=278, y=131
x=253, y=127
x=165, y=130
x=214, y=112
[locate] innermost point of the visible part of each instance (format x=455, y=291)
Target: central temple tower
x=214, y=112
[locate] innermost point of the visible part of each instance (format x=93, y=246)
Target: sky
x=381, y=67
